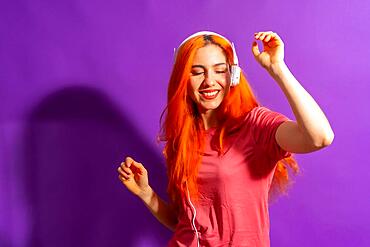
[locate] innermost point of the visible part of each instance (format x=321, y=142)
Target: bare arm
x=160, y=209
x=312, y=130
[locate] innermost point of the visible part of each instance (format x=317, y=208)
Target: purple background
x=83, y=83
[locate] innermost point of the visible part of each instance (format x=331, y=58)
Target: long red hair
x=183, y=128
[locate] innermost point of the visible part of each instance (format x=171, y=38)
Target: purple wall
x=83, y=83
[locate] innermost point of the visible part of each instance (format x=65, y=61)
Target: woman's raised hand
x=273, y=49
x=135, y=177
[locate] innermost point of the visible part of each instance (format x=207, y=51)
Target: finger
x=255, y=49
x=262, y=36
x=128, y=161
x=275, y=36
x=257, y=35
x=123, y=174
x=123, y=171
x=276, y=40
x=127, y=170
x=139, y=167
x=123, y=165
x=267, y=38
x=123, y=179
x=119, y=170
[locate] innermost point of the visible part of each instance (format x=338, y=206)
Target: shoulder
x=255, y=113
x=264, y=115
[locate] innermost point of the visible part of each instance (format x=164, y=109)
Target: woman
x=225, y=153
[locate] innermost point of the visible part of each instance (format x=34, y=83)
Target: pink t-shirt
x=233, y=204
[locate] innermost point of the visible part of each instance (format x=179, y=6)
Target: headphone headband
x=201, y=33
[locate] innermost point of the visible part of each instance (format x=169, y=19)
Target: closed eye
x=197, y=73
x=221, y=71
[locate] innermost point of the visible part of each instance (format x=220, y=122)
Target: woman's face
x=209, y=78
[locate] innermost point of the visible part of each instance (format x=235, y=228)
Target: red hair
x=183, y=128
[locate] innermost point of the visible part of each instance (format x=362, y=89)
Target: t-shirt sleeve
x=264, y=125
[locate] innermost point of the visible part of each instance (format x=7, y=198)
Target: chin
x=210, y=106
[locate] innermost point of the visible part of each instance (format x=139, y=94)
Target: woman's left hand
x=273, y=49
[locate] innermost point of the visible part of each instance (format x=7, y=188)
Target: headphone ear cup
x=235, y=75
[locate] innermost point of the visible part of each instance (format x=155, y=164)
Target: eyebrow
x=203, y=67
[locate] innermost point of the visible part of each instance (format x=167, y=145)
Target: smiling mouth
x=209, y=94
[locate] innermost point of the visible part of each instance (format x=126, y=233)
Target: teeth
x=210, y=94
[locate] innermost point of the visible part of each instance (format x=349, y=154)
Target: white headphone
x=235, y=69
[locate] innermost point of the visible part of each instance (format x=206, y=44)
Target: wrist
x=278, y=70
x=146, y=194
x=277, y=67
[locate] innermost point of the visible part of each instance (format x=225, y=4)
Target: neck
x=209, y=119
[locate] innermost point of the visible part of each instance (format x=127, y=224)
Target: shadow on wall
x=74, y=141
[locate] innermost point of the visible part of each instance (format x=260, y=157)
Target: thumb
x=255, y=49
x=139, y=167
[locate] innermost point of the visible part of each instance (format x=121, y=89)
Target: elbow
x=325, y=140
x=329, y=140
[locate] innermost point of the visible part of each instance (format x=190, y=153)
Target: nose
x=209, y=79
